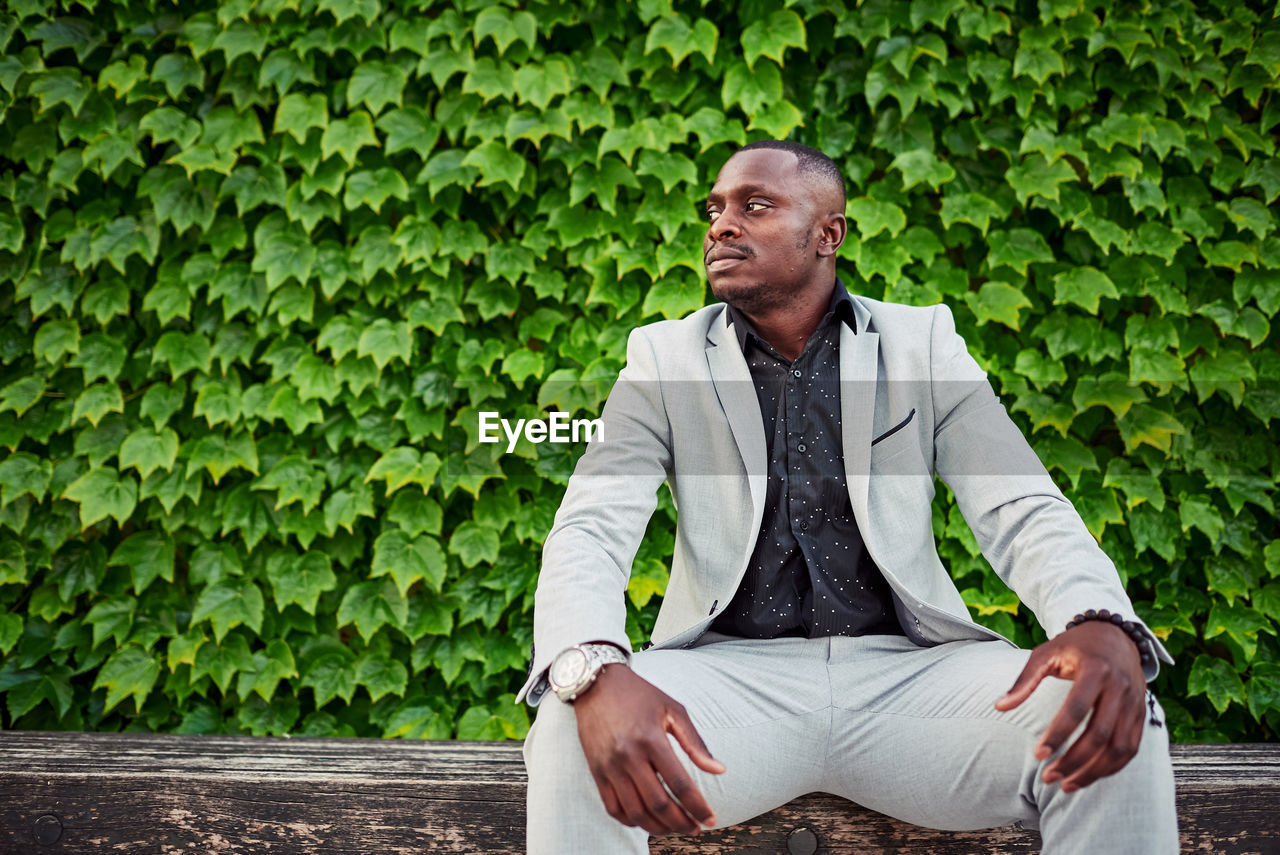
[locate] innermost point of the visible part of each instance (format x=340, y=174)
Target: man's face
x=762, y=211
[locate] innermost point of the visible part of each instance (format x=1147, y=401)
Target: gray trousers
x=905, y=730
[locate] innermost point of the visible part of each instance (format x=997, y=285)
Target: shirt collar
x=841, y=306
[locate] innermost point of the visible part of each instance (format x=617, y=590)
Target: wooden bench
x=161, y=793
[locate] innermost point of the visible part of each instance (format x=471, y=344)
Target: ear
x=834, y=230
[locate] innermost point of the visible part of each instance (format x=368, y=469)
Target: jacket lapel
x=859, y=368
x=732, y=380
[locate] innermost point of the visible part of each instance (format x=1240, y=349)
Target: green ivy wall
x=263, y=263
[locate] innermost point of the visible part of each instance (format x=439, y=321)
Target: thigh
x=763, y=707
x=916, y=734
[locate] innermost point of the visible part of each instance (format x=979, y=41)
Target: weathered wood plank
x=165, y=793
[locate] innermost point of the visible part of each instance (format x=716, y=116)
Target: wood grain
x=163, y=793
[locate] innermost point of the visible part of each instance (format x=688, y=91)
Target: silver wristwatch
x=576, y=668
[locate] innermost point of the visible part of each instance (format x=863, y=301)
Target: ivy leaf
x=219, y=455
x=474, y=543
x=297, y=113
x=921, y=166
x=1217, y=680
x=183, y=352
x=973, y=208
x=417, y=720
x=377, y=84
x=227, y=604
x=674, y=296
x=129, y=672
x=331, y=676
x=96, y=401
x=112, y=618
x=997, y=301
x=408, y=129
x=344, y=506
x=1264, y=688
x=1228, y=373
x=1084, y=286
x=148, y=555
x=283, y=254
x=504, y=720
x=21, y=394
x=505, y=27
x=55, y=339
x=1017, y=248
x=370, y=605
x=296, y=479
x=381, y=675
x=1199, y=512
x=772, y=36
x=147, y=450
x=10, y=631
x=268, y=668
x=496, y=162
x=347, y=136
x=223, y=660
x=1036, y=176
x=539, y=84
x=384, y=340
x=873, y=216
x=1240, y=622
x=300, y=579
x=673, y=34
x=101, y=493
x=239, y=38
x=372, y=187
x=751, y=88
x=408, y=559
x=404, y=465
x=24, y=473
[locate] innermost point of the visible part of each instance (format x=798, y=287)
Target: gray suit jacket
x=914, y=404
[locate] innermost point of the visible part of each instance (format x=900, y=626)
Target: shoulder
x=889, y=318
x=691, y=329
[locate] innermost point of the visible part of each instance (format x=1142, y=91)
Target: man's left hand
x=1104, y=664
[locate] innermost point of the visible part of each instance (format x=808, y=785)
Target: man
x=810, y=638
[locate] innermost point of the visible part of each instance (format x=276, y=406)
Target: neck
x=788, y=327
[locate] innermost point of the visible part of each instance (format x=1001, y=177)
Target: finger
x=1081, y=699
x=634, y=807
x=1121, y=747
x=681, y=727
x=1032, y=673
x=682, y=786
x=659, y=804
x=1092, y=746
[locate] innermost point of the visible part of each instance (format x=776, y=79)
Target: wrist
x=575, y=669
x=1132, y=629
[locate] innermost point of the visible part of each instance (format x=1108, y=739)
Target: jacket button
x=646, y=645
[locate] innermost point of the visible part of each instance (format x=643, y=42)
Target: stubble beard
x=760, y=297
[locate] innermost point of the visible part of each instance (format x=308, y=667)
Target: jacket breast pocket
x=897, y=450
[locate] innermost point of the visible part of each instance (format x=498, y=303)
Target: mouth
x=724, y=262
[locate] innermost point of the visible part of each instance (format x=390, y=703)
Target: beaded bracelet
x=1131, y=629
x=1135, y=633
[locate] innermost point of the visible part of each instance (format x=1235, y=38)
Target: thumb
x=1028, y=679
x=681, y=727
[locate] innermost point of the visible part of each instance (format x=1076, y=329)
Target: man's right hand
x=623, y=722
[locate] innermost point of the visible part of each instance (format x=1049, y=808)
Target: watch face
x=568, y=668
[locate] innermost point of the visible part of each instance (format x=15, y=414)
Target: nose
x=723, y=226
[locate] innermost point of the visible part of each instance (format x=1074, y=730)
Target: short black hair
x=811, y=162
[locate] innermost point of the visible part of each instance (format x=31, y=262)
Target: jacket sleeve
x=1033, y=537
x=587, y=556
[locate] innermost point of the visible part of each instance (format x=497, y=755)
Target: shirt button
x=804, y=526
x=797, y=373
x=800, y=447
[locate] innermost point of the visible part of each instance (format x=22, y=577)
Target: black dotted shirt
x=810, y=574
